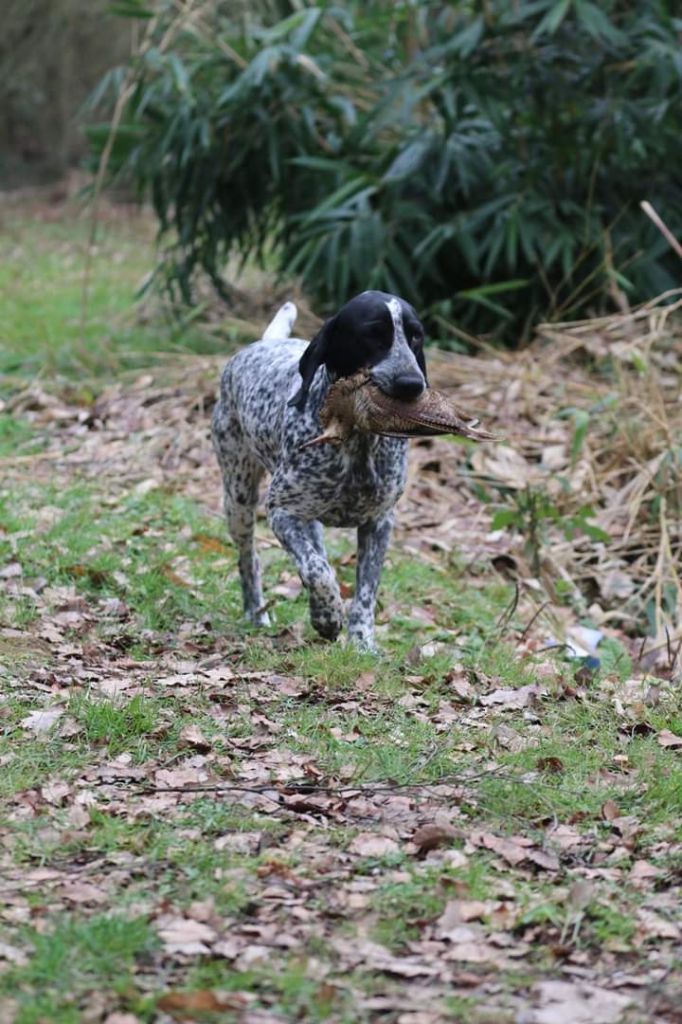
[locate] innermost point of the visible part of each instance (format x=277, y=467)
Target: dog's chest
x=369, y=484
x=342, y=485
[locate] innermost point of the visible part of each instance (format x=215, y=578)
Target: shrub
x=484, y=159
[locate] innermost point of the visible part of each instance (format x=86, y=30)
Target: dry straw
x=592, y=414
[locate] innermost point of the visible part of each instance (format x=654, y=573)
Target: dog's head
x=375, y=331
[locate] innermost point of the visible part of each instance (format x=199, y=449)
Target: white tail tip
x=282, y=322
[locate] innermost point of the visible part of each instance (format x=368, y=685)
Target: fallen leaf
x=146, y=486
x=239, y=842
x=642, y=874
x=79, y=816
x=192, y=736
x=40, y=722
x=365, y=681
x=11, y=571
x=610, y=811
x=430, y=837
x=666, y=738
x=460, y=911
x=513, y=699
x=508, y=738
x=370, y=956
x=228, y=948
x=288, y=686
x=627, y=825
x=212, y=544
x=289, y=588
x=478, y=952
x=550, y=764
x=653, y=926
x=55, y=792
x=458, y=682
x=421, y=1017
x=12, y=954
x=580, y=895
x=178, y=778
x=567, y=1002
x=82, y=892
x=183, y=935
x=94, y=576
x=184, y=1005
x=516, y=849
x=369, y=844
x=174, y=577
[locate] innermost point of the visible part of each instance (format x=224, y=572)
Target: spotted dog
x=271, y=395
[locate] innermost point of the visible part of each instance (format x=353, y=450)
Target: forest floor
x=204, y=823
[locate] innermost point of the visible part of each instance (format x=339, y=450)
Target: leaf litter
x=314, y=855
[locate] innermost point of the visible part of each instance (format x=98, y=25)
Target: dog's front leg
x=303, y=541
x=373, y=538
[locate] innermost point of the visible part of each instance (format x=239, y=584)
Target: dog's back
x=257, y=384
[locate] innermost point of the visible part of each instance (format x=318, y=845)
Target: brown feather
x=354, y=403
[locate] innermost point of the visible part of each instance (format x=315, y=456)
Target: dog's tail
x=282, y=322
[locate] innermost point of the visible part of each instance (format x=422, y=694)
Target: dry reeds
x=592, y=411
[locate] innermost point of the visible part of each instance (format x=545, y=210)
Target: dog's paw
x=326, y=623
x=326, y=617
x=258, y=617
x=361, y=637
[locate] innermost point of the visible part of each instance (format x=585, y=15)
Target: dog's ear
x=311, y=360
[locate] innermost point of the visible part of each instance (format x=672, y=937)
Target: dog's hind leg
x=242, y=474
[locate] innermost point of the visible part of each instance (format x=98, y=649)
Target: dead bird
x=355, y=403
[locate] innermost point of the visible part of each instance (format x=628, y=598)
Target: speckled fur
x=256, y=429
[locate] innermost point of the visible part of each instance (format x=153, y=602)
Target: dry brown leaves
x=310, y=884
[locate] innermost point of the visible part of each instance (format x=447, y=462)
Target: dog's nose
x=407, y=385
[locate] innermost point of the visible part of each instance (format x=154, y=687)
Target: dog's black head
x=374, y=331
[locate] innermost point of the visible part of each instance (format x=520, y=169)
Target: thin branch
x=663, y=228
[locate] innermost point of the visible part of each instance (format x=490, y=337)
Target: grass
x=114, y=551
x=116, y=726
x=73, y=959
x=17, y=437
x=404, y=907
x=44, y=332
x=350, y=721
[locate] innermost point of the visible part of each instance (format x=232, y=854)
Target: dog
x=271, y=394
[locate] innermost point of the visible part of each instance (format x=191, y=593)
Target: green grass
x=17, y=436
x=130, y=550
x=115, y=551
x=358, y=720
x=290, y=990
x=44, y=332
x=404, y=907
x=71, y=960
x=116, y=726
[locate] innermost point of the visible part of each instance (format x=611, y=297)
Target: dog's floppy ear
x=311, y=360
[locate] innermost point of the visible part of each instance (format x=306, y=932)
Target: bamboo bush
x=484, y=159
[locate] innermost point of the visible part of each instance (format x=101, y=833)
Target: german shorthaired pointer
x=270, y=399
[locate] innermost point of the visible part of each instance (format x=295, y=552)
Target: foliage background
x=484, y=159
x=52, y=54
